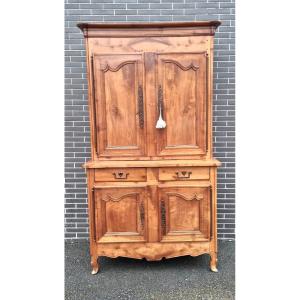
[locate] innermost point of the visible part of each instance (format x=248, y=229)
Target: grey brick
x=115, y=6
x=128, y=12
x=83, y=235
x=160, y=18
x=148, y=12
x=183, y=18
x=220, y=0
x=114, y=18
x=103, y=11
x=138, y=6
x=205, y=17
x=71, y=6
x=96, y=18
x=76, y=230
x=227, y=17
x=226, y=5
x=77, y=220
x=148, y=1
x=195, y=11
x=223, y=28
x=91, y=6
x=78, y=12
x=78, y=1
x=172, y=1
x=70, y=235
x=138, y=18
x=161, y=6
x=69, y=225
x=172, y=12
x=183, y=5
x=104, y=1
x=207, y=5
x=218, y=11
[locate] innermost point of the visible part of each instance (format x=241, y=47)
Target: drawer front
x=183, y=173
x=121, y=174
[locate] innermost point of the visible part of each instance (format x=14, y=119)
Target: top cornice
x=195, y=28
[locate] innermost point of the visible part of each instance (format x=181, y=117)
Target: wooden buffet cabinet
x=152, y=177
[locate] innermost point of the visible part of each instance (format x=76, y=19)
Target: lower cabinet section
x=120, y=215
x=163, y=215
x=185, y=214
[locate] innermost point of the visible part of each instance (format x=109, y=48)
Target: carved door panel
x=121, y=214
x=182, y=97
x=119, y=105
x=185, y=214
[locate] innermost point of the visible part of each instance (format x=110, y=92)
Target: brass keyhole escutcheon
x=183, y=174
x=120, y=175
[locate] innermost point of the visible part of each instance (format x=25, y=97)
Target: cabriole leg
x=95, y=265
x=213, y=262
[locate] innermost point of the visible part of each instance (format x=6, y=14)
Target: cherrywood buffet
x=152, y=177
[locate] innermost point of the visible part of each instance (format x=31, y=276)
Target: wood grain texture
x=183, y=173
x=153, y=251
x=151, y=192
x=205, y=28
x=120, y=174
x=187, y=212
x=118, y=215
x=149, y=45
x=151, y=163
x=143, y=26
x=185, y=134
x=117, y=81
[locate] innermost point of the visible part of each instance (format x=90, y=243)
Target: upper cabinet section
x=137, y=72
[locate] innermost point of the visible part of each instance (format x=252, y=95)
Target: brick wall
x=77, y=141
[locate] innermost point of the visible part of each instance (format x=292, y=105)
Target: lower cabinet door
x=120, y=214
x=185, y=214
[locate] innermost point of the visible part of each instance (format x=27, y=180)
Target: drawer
x=121, y=174
x=183, y=173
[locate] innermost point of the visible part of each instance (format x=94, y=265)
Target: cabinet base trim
x=153, y=251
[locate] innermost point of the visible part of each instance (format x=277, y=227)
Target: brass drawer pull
x=183, y=174
x=120, y=175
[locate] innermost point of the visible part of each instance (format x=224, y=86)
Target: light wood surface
x=187, y=214
x=151, y=191
x=154, y=251
x=183, y=173
x=126, y=74
x=120, y=174
x=151, y=163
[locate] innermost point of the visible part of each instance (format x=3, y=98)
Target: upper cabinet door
x=119, y=105
x=182, y=100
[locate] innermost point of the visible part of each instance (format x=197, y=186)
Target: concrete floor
x=123, y=278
